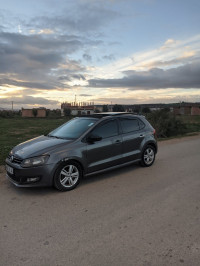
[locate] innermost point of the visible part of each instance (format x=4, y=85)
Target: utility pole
x=12, y=105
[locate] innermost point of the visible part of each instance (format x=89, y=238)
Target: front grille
x=15, y=159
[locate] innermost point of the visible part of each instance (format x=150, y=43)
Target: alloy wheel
x=69, y=176
x=149, y=156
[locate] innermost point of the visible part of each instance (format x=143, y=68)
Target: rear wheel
x=67, y=176
x=148, y=156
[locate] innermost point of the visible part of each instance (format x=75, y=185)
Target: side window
x=109, y=129
x=129, y=125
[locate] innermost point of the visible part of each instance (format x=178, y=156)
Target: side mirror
x=92, y=138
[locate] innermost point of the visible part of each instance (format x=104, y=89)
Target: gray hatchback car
x=83, y=146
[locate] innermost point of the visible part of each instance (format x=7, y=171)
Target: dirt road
x=132, y=216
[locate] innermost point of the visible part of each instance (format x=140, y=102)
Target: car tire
x=148, y=156
x=67, y=176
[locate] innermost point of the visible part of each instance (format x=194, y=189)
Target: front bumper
x=23, y=177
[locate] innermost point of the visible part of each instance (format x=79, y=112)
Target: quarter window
x=106, y=130
x=129, y=125
x=142, y=125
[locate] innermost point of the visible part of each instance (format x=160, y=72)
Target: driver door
x=106, y=152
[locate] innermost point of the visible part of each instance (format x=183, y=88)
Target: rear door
x=132, y=137
x=108, y=151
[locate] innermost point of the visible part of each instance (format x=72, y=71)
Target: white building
x=78, y=108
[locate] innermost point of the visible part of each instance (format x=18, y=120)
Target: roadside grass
x=192, y=126
x=192, y=122
x=16, y=130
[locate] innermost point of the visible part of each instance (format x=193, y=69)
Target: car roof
x=111, y=114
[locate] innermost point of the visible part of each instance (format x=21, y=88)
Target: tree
x=118, y=108
x=67, y=112
x=136, y=109
x=34, y=112
x=105, y=108
x=47, y=112
x=166, y=109
x=146, y=110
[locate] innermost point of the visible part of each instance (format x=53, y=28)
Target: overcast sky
x=119, y=51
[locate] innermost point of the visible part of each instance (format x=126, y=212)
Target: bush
x=67, y=112
x=54, y=113
x=136, y=110
x=9, y=113
x=146, y=110
x=118, y=108
x=105, y=108
x=166, y=124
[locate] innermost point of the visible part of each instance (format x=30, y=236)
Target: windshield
x=73, y=129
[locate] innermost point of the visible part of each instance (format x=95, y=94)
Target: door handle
x=141, y=135
x=117, y=141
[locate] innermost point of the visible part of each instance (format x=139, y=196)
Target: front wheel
x=148, y=156
x=67, y=176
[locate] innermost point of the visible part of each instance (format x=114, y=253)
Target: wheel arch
x=150, y=143
x=63, y=161
x=72, y=160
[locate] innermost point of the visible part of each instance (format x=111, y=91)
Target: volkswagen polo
x=83, y=146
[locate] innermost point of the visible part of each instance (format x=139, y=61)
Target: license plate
x=9, y=169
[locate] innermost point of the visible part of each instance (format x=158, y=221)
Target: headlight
x=35, y=161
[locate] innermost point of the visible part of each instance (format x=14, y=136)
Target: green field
x=16, y=130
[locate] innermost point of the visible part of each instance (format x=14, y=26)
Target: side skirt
x=112, y=168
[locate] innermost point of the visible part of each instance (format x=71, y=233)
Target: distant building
x=187, y=109
x=195, y=110
x=35, y=112
x=78, y=108
x=183, y=108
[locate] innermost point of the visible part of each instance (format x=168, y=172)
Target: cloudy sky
x=119, y=51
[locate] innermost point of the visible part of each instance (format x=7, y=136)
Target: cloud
x=186, y=76
x=186, y=57
x=85, y=95
x=109, y=57
x=168, y=44
x=29, y=101
x=79, y=77
x=36, y=61
x=33, y=52
x=46, y=31
x=79, y=18
x=52, y=50
x=183, y=52
x=26, y=84
x=72, y=77
x=87, y=57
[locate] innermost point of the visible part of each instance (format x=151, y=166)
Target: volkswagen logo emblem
x=12, y=158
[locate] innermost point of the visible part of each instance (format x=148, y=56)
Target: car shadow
x=32, y=190
x=110, y=174
x=43, y=191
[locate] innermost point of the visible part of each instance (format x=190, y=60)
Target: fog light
x=32, y=179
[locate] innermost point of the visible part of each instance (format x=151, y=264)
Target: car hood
x=38, y=146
